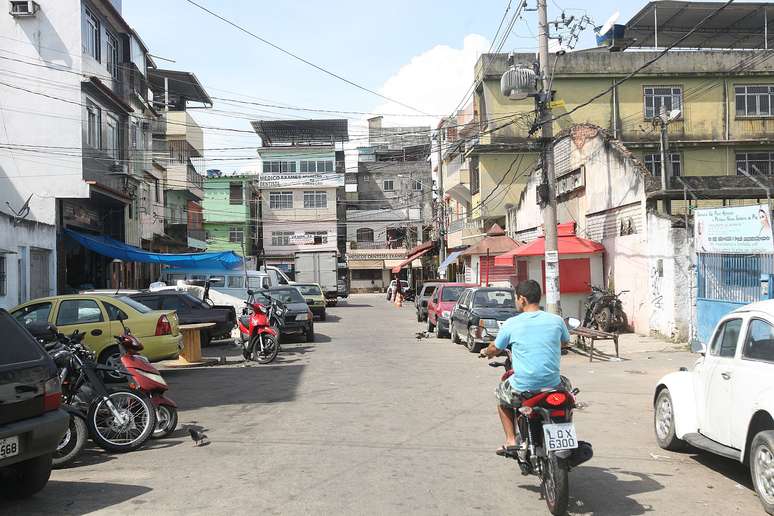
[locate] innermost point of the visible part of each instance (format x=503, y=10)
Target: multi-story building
x=229, y=221
x=299, y=187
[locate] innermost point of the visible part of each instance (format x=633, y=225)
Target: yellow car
x=314, y=298
x=99, y=317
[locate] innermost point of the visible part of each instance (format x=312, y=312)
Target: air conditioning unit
x=21, y=8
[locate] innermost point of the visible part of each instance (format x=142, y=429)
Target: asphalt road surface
x=371, y=420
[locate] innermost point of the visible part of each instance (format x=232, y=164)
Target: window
x=78, y=311
x=135, y=135
x=315, y=199
x=236, y=235
x=280, y=238
x=91, y=35
x=280, y=200
x=322, y=234
x=235, y=194
x=115, y=313
x=112, y=54
x=754, y=100
x=16, y=349
x=3, y=277
x=726, y=337
x=367, y=178
x=451, y=293
x=388, y=185
x=365, y=235
x=494, y=299
x=755, y=163
x=653, y=164
x=671, y=97
x=134, y=304
x=317, y=166
x=416, y=185
x=38, y=312
x=367, y=274
x=112, y=137
x=93, y=125
x=152, y=302
x=235, y=282
x=759, y=344
x=279, y=166
x=474, y=178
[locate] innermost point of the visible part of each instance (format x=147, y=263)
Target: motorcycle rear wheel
x=270, y=348
x=555, y=484
x=603, y=319
x=72, y=442
x=106, y=433
x=166, y=421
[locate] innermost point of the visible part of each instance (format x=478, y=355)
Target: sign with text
x=300, y=180
x=737, y=229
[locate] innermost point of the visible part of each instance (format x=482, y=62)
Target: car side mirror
x=699, y=347
x=573, y=323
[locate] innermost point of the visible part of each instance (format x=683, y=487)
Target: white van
x=231, y=281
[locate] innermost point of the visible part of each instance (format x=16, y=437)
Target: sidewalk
x=629, y=344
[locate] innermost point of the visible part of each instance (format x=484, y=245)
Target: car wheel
x=472, y=345
x=762, y=468
x=664, y=422
x=111, y=357
x=455, y=336
x=27, y=477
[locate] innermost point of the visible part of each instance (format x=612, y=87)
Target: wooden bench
x=583, y=333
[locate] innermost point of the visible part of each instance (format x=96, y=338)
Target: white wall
x=18, y=239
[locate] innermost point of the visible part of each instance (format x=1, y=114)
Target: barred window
x=280, y=200
x=653, y=164
x=671, y=97
x=279, y=238
x=112, y=54
x=317, y=166
x=235, y=193
x=279, y=166
x=416, y=185
x=236, y=234
x=92, y=41
x=388, y=185
x=754, y=100
x=761, y=163
x=365, y=235
x=315, y=199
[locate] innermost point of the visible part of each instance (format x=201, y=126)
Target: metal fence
x=732, y=277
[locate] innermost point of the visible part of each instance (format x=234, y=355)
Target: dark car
x=479, y=313
x=441, y=304
x=31, y=422
x=421, y=300
x=191, y=310
x=298, y=318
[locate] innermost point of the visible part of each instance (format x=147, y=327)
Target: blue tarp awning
x=451, y=258
x=107, y=246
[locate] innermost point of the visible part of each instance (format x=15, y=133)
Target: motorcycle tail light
x=558, y=413
x=52, y=394
x=163, y=327
x=556, y=399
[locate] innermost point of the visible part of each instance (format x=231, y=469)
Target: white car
x=725, y=405
x=403, y=283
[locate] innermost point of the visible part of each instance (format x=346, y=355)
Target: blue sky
x=420, y=52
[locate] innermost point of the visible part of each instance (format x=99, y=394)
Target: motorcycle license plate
x=559, y=436
x=9, y=447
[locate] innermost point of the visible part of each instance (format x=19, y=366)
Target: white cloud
x=433, y=81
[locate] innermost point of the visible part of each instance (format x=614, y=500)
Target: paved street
x=370, y=420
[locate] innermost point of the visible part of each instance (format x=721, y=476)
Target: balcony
x=180, y=126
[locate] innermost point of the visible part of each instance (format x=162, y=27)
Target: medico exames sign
x=738, y=229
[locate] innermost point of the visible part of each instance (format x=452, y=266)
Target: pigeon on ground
x=198, y=437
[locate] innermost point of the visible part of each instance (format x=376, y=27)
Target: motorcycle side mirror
x=573, y=323
x=250, y=292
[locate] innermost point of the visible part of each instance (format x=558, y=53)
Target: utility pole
x=441, y=211
x=553, y=304
x=666, y=158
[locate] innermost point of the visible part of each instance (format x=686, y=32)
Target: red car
x=442, y=303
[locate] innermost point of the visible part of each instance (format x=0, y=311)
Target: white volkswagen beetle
x=726, y=403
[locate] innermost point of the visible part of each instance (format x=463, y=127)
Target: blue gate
x=725, y=282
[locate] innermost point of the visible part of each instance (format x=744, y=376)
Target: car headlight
x=302, y=317
x=488, y=323
x=445, y=314
x=151, y=376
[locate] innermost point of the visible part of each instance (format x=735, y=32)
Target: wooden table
x=191, y=355
x=583, y=333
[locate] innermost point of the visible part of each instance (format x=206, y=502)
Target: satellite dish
x=674, y=115
x=608, y=24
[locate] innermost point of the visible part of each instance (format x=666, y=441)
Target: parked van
x=231, y=281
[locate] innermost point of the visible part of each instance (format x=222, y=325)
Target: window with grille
x=365, y=235
x=235, y=193
x=474, y=179
x=754, y=100
x=280, y=238
x=112, y=136
x=755, y=163
x=315, y=200
x=279, y=166
x=112, y=54
x=317, y=166
x=236, y=234
x=93, y=125
x=416, y=185
x=91, y=35
x=280, y=200
x=653, y=164
x=670, y=97
x=388, y=185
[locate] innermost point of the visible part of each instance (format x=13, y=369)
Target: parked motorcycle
x=549, y=445
x=148, y=379
x=604, y=311
x=259, y=328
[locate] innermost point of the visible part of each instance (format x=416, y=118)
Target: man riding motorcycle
x=535, y=338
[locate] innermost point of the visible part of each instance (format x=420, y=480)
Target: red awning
x=410, y=259
x=568, y=244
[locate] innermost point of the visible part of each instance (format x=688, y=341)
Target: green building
x=227, y=216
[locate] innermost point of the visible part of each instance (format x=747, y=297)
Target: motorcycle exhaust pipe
x=581, y=454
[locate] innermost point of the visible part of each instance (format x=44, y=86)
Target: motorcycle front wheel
x=72, y=442
x=127, y=430
x=166, y=421
x=604, y=319
x=269, y=351
x=555, y=484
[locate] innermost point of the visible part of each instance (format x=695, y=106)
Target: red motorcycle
x=549, y=445
x=146, y=378
x=259, y=328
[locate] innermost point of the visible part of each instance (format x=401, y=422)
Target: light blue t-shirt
x=535, y=339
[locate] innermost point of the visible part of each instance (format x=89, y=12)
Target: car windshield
x=309, y=290
x=429, y=289
x=287, y=295
x=134, y=304
x=494, y=299
x=451, y=293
